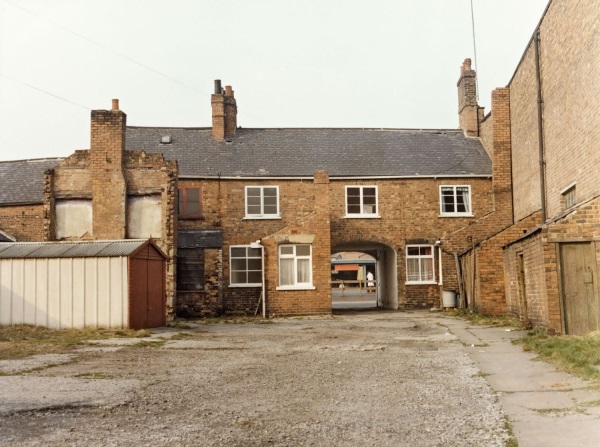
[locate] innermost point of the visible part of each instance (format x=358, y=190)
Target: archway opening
x=364, y=276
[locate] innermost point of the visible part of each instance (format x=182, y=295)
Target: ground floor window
x=419, y=264
x=295, y=266
x=245, y=265
x=190, y=269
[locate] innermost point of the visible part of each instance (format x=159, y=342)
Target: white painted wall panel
x=18, y=290
x=64, y=292
x=6, y=292
x=30, y=299
x=41, y=292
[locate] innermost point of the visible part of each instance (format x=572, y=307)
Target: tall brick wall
x=570, y=65
x=525, y=159
x=24, y=222
x=570, y=79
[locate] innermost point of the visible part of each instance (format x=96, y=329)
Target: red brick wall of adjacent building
x=23, y=222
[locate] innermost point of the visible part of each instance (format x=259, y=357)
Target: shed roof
x=91, y=249
x=295, y=152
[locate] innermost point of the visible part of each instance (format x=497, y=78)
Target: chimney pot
x=115, y=104
x=218, y=89
x=228, y=90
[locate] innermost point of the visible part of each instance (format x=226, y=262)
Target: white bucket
x=448, y=298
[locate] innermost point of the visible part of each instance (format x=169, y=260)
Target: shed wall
x=64, y=293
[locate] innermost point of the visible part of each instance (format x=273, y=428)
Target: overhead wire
x=104, y=47
x=44, y=91
x=474, y=52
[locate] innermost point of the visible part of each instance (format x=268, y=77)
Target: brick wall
x=24, y=222
x=570, y=65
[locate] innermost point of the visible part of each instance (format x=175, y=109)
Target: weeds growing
x=23, y=340
x=578, y=355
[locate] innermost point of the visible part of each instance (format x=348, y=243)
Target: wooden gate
x=579, y=292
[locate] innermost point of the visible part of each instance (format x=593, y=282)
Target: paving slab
x=546, y=407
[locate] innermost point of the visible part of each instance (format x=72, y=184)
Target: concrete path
x=546, y=407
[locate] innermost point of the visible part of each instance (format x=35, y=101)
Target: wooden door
x=138, y=315
x=156, y=292
x=579, y=292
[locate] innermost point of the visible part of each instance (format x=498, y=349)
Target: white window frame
x=362, y=214
x=259, y=257
x=296, y=285
x=420, y=258
x=262, y=214
x=468, y=213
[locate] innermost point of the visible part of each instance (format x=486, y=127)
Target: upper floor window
x=245, y=266
x=295, y=266
x=455, y=200
x=361, y=201
x=568, y=197
x=419, y=264
x=262, y=202
x=189, y=202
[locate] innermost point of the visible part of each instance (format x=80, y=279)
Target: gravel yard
x=364, y=379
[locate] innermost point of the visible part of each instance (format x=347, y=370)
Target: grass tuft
x=480, y=319
x=578, y=355
x=21, y=341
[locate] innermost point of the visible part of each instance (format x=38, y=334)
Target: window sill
x=362, y=216
x=421, y=283
x=456, y=215
x=180, y=217
x=236, y=286
x=296, y=288
x=261, y=217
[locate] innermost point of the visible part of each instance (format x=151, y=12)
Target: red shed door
x=147, y=291
x=138, y=313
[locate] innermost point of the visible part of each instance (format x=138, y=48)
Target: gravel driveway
x=364, y=379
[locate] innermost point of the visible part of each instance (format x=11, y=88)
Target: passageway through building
x=364, y=276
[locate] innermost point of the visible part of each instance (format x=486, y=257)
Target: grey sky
x=308, y=63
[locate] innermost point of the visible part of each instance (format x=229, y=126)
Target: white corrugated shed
x=66, y=285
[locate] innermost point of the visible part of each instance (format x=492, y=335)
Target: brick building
x=549, y=252
x=288, y=198
x=252, y=213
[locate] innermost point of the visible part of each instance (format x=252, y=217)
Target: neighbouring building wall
x=24, y=222
x=525, y=158
x=570, y=66
x=479, y=266
x=569, y=69
x=484, y=287
x=525, y=278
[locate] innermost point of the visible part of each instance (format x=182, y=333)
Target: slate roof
x=300, y=152
x=292, y=152
x=23, y=181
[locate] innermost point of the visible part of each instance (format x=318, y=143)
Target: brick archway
x=385, y=269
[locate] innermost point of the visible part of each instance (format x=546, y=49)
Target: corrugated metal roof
x=19, y=250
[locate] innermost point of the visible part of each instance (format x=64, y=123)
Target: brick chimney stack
x=224, y=112
x=468, y=110
x=108, y=180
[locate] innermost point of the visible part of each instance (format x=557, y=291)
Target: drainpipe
x=540, y=126
x=263, y=294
